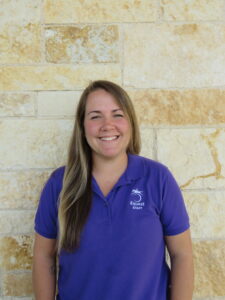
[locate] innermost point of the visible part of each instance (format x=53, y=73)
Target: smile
x=109, y=138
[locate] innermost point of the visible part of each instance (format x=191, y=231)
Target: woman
x=110, y=213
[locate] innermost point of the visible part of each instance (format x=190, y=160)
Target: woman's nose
x=107, y=124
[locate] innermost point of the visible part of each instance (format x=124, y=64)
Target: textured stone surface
x=16, y=298
x=174, y=55
x=53, y=77
x=20, y=31
x=59, y=11
x=34, y=143
x=12, y=104
x=57, y=103
x=20, y=12
x=209, y=268
x=207, y=10
x=147, y=142
x=16, y=252
x=206, y=211
x=209, y=298
x=174, y=70
x=19, y=284
x=16, y=222
x=179, y=107
x=21, y=189
x=82, y=44
x=199, y=160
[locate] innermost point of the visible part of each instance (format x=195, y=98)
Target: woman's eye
x=118, y=116
x=95, y=117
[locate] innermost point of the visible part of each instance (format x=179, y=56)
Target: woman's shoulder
x=58, y=173
x=150, y=164
x=55, y=180
x=158, y=173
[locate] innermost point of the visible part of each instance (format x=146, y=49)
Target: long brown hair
x=75, y=197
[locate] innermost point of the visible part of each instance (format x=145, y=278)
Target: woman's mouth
x=109, y=138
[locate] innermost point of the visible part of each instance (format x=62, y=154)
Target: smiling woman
x=110, y=213
x=107, y=127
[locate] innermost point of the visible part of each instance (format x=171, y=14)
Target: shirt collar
x=135, y=168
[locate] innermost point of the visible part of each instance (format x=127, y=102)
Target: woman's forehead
x=102, y=100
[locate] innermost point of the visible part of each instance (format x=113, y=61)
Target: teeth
x=109, y=138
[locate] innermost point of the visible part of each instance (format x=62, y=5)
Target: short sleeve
x=46, y=218
x=174, y=216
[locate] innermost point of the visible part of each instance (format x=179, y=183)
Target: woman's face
x=107, y=128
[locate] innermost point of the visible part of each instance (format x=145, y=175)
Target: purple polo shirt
x=122, y=250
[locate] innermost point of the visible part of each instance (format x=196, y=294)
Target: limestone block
x=20, y=31
x=27, y=11
x=16, y=222
x=179, y=107
x=21, y=189
x=34, y=143
x=19, y=284
x=209, y=268
x=82, y=44
x=12, y=104
x=55, y=77
x=15, y=298
x=16, y=252
x=93, y=11
x=205, y=10
x=174, y=55
x=147, y=142
x=206, y=211
x=209, y=298
x=58, y=103
x=199, y=160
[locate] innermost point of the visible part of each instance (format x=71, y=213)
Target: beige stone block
x=174, y=55
x=179, y=107
x=16, y=252
x=20, y=12
x=147, y=142
x=206, y=211
x=209, y=268
x=21, y=189
x=20, y=31
x=16, y=222
x=20, y=44
x=34, y=143
x=12, y=104
x=82, y=44
x=93, y=11
x=195, y=156
x=58, y=103
x=55, y=77
x=192, y=10
x=209, y=298
x=17, y=298
x=19, y=284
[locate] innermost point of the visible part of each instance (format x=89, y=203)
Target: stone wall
x=169, y=55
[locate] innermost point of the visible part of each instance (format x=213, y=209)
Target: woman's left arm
x=182, y=271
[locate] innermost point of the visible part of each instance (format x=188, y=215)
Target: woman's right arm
x=44, y=268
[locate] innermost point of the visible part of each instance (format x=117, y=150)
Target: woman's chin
x=110, y=154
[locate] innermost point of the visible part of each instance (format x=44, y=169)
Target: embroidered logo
x=136, y=199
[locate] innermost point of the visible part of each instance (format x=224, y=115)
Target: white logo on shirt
x=136, y=201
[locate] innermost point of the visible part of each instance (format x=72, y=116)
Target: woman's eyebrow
x=99, y=112
x=94, y=111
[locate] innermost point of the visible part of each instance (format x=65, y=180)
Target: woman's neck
x=109, y=167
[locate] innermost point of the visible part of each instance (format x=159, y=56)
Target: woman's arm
x=182, y=270
x=44, y=268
